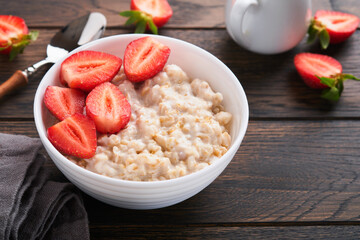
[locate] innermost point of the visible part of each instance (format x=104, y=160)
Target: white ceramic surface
x=149, y=195
x=267, y=26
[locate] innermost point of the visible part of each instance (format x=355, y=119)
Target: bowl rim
x=244, y=118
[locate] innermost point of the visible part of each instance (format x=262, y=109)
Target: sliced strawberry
x=322, y=72
x=86, y=69
x=64, y=102
x=75, y=136
x=108, y=107
x=310, y=65
x=14, y=35
x=144, y=58
x=332, y=27
x=340, y=26
x=160, y=10
x=151, y=14
x=11, y=27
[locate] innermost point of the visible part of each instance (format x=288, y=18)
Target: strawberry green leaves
x=15, y=35
x=324, y=38
x=318, y=30
x=322, y=72
x=141, y=20
x=336, y=86
x=335, y=89
x=332, y=27
x=18, y=45
x=148, y=15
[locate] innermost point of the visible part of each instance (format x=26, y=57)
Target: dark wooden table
x=296, y=174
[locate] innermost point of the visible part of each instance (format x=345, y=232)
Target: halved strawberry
x=322, y=72
x=108, y=107
x=86, y=69
x=144, y=58
x=311, y=65
x=332, y=27
x=160, y=10
x=148, y=13
x=64, y=102
x=14, y=35
x=75, y=136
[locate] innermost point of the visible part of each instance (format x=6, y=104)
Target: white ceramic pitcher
x=267, y=26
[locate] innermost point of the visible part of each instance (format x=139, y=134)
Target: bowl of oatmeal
x=186, y=124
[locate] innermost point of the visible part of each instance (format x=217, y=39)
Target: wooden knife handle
x=16, y=81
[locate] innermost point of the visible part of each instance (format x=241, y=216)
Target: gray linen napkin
x=34, y=204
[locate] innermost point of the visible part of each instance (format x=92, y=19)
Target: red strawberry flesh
x=339, y=25
x=160, y=10
x=311, y=65
x=87, y=69
x=11, y=27
x=108, y=107
x=144, y=58
x=64, y=102
x=75, y=136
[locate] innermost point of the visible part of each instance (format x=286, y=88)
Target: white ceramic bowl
x=196, y=62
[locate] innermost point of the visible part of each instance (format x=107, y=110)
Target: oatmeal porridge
x=178, y=126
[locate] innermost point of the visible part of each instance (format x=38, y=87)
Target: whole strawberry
x=332, y=27
x=14, y=35
x=322, y=72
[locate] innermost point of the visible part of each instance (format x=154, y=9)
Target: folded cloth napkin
x=34, y=204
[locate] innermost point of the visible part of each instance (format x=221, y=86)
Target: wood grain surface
x=271, y=83
x=296, y=174
x=211, y=232
x=187, y=13
x=270, y=179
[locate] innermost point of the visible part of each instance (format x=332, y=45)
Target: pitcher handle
x=237, y=14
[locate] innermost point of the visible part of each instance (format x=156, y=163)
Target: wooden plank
x=272, y=85
x=348, y=6
x=26, y=128
x=321, y=5
x=20, y=103
x=284, y=171
x=214, y=232
x=187, y=13
x=274, y=88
